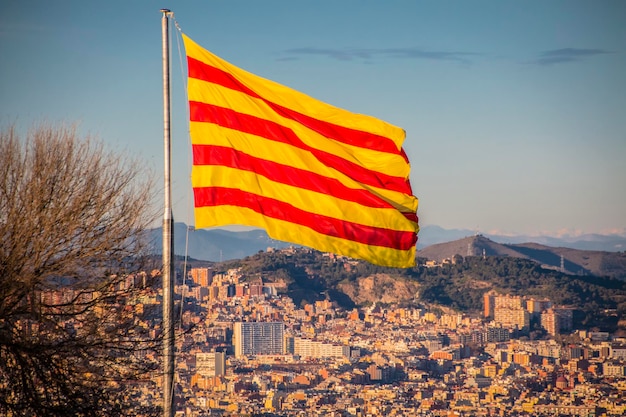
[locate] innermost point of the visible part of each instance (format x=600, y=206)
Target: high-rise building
x=509, y=301
x=557, y=320
x=258, y=338
x=256, y=289
x=535, y=306
x=511, y=317
x=550, y=322
x=489, y=301
x=202, y=276
x=211, y=364
x=497, y=334
x=240, y=290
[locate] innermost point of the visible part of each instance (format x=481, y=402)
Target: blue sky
x=515, y=111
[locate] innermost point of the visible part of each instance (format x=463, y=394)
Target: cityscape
x=311, y=132
x=244, y=348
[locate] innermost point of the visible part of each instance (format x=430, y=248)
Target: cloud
x=566, y=55
x=330, y=53
x=349, y=54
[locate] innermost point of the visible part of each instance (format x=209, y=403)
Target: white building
x=211, y=364
x=258, y=338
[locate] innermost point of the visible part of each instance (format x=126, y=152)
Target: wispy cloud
x=566, y=55
x=349, y=54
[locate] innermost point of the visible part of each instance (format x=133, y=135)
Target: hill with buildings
x=454, y=274
x=460, y=283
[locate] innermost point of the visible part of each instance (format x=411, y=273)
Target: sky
x=514, y=111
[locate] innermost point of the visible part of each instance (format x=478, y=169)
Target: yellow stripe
x=210, y=134
x=313, y=202
x=301, y=235
x=389, y=164
x=296, y=100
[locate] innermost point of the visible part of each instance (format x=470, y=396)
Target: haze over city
x=514, y=111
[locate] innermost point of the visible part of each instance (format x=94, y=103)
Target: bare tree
x=72, y=221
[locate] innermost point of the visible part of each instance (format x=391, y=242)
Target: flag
x=267, y=156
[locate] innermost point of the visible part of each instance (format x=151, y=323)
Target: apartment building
x=258, y=338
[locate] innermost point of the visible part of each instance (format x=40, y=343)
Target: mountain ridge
x=217, y=245
x=568, y=260
x=612, y=242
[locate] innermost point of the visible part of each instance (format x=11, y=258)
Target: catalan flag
x=267, y=156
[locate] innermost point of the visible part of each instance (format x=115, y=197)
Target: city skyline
x=513, y=112
x=247, y=346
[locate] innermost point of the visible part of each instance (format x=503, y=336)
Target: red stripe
x=203, y=71
x=368, y=235
x=203, y=112
x=285, y=174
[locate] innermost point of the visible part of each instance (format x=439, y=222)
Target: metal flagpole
x=168, y=234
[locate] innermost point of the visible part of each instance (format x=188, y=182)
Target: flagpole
x=168, y=233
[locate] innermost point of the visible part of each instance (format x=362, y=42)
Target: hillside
x=568, y=260
x=309, y=276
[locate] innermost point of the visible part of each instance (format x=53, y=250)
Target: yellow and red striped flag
x=308, y=173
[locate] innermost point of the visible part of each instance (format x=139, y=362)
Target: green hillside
x=309, y=276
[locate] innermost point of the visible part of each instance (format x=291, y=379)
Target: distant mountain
x=215, y=244
x=221, y=245
x=569, y=260
x=430, y=235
